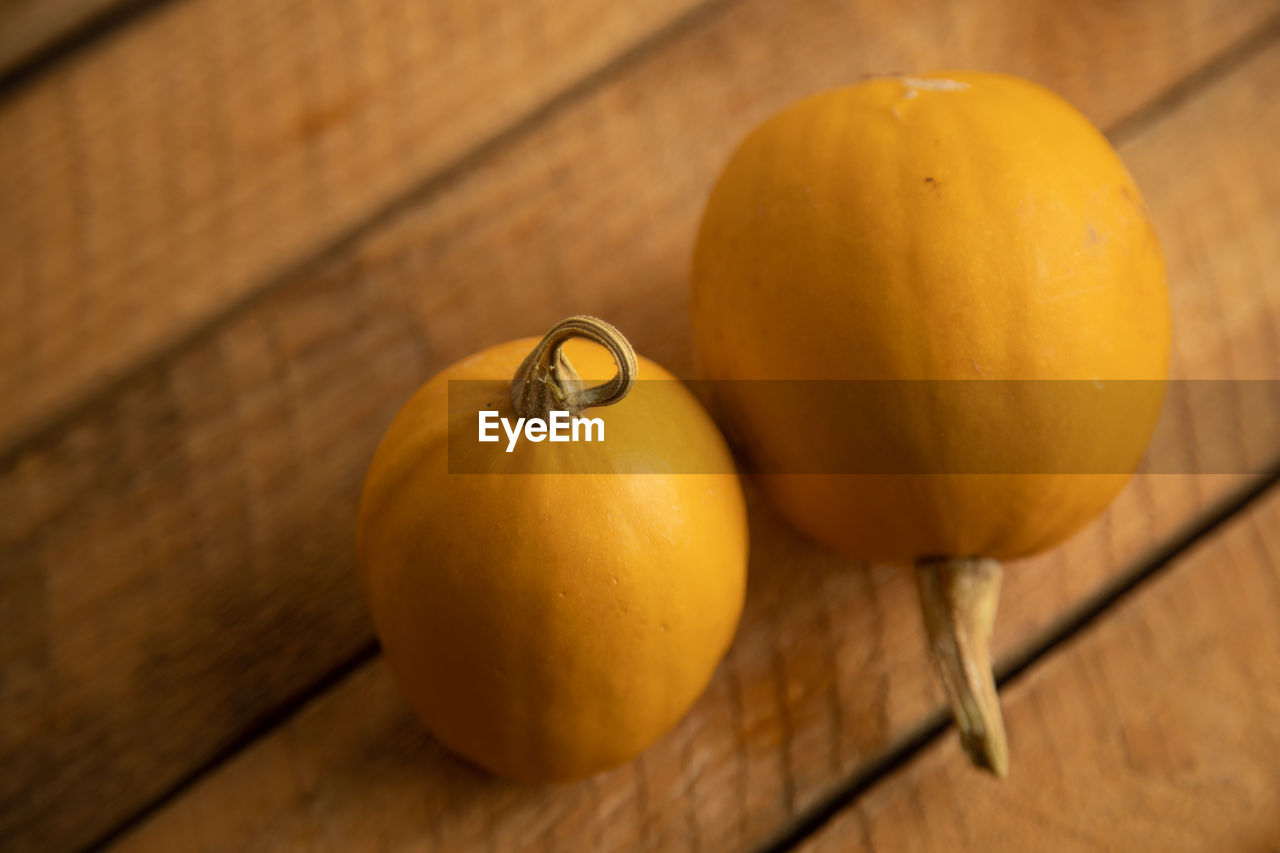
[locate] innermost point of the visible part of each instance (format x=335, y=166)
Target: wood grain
x=28, y=27
x=1155, y=729
x=166, y=172
x=265, y=428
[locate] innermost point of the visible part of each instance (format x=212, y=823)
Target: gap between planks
x=930, y=728
x=59, y=415
x=1153, y=729
x=56, y=46
x=269, y=721
x=1010, y=671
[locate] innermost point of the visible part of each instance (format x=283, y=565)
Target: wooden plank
x=160, y=176
x=829, y=668
x=1155, y=729
x=28, y=27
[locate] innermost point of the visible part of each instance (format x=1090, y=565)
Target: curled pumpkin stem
x=546, y=381
x=959, y=598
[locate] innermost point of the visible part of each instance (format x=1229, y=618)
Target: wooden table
x=235, y=235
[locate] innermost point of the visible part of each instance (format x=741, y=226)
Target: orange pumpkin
x=935, y=231
x=551, y=611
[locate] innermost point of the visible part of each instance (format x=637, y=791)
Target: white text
x=559, y=426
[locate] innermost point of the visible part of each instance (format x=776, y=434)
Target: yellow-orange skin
x=957, y=226
x=550, y=625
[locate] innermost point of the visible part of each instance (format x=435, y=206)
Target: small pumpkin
x=934, y=231
x=551, y=611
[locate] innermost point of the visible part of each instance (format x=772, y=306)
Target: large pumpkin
x=551, y=611
x=934, y=231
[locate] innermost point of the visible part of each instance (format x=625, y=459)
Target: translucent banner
x=1004, y=427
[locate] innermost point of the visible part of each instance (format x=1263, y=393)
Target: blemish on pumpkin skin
x=933, y=84
x=908, y=95
x=913, y=86
x=1092, y=239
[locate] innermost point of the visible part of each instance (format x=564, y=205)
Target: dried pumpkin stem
x=546, y=381
x=959, y=598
